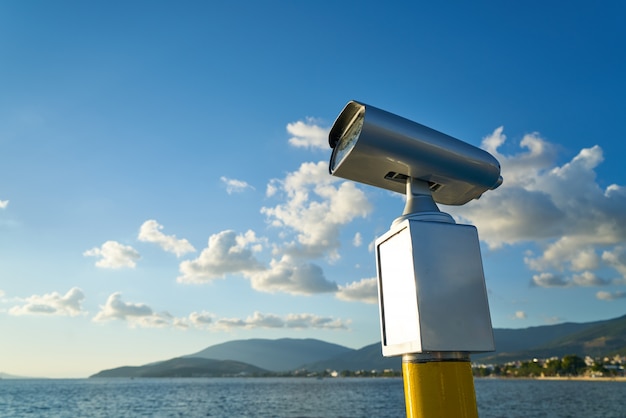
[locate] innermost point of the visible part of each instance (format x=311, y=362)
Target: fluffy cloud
x=52, y=304
x=587, y=278
x=289, y=277
x=4, y=204
x=226, y=253
x=114, y=255
x=135, y=314
x=141, y=315
x=294, y=321
x=235, y=186
x=602, y=295
x=576, y=225
x=616, y=258
x=316, y=206
x=365, y=290
x=307, y=135
x=150, y=231
x=201, y=319
x=549, y=280
x=115, y=308
x=230, y=253
x=520, y=315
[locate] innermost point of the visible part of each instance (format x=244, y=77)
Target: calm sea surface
x=293, y=397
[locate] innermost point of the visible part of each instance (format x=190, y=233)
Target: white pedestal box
x=431, y=289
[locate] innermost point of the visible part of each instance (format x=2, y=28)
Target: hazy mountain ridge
x=280, y=355
x=185, y=367
x=596, y=339
x=11, y=376
x=367, y=358
x=262, y=356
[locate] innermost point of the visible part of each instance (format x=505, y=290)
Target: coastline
x=585, y=378
x=562, y=378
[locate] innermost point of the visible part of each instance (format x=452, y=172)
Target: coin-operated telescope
x=432, y=296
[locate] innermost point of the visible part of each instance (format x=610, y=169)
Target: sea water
x=293, y=397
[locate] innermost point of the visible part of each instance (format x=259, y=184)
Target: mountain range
x=595, y=339
x=261, y=356
x=276, y=355
x=10, y=376
x=185, y=367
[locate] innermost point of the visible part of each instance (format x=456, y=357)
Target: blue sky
x=163, y=167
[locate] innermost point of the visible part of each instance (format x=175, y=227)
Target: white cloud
x=156, y=320
x=229, y=253
x=52, y=304
x=289, y=277
x=273, y=187
x=226, y=253
x=586, y=259
x=201, y=319
x=230, y=323
x=235, y=186
x=114, y=255
x=602, y=295
x=4, y=204
x=616, y=258
x=257, y=320
x=371, y=246
x=150, y=231
x=587, y=278
x=302, y=321
x=521, y=169
x=357, y=241
x=141, y=315
x=520, y=315
x=135, y=314
x=294, y=321
x=560, y=208
x=365, y=290
x=549, y=280
x=115, y=308
x=316, y=206
x=308, y=135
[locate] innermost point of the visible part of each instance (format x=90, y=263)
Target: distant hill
x=185, y=367
x=11, y=376
x=605, y=338
x=600, y=338
x=262, y=356
x=369, y=357
x=522, y=339
x=280, y=355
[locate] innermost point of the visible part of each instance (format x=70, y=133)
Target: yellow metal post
x=438, y=388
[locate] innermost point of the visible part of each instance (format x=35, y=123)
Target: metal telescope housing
x=385, y=150
x=431, y=285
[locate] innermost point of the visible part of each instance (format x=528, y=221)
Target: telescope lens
x=347, y=141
